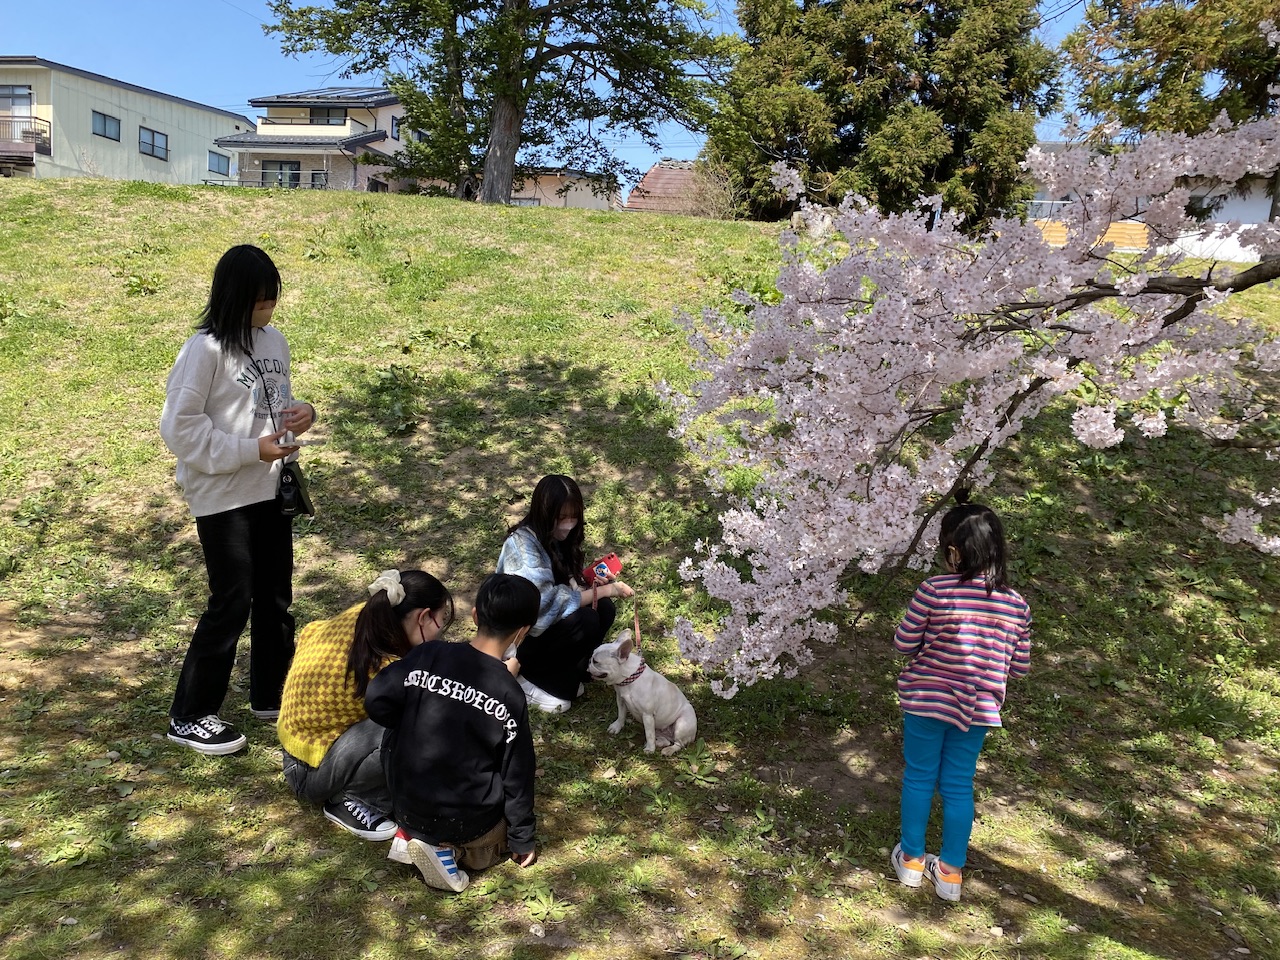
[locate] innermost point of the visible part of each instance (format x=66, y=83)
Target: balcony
x=309, y=127
x=21, y=138
x=287, y=180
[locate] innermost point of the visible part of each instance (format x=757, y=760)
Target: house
x=321, y=139
x=670, y=186
x=344, y=138
x=1243, y=203
x=562, y=187
x=60, y=121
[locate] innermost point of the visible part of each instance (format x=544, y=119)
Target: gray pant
x=351, y=767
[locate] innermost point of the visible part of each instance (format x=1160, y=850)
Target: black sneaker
x=365, y=822
x=269, y=714
x=208, y=735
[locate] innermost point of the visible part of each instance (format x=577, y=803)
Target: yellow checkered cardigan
x=319, y=701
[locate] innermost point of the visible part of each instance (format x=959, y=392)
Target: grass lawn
x=457, y=353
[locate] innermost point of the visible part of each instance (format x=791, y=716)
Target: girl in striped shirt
x=967, y=632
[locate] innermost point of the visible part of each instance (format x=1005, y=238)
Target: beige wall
x=68, y=100
x=543, y=189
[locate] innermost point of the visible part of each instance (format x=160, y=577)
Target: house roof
x=256, y=141
x=19, y=61
x=367, y=97
x=668, y=187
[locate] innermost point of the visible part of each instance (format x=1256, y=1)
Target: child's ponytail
x=379, y=634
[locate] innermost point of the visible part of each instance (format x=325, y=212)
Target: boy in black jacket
x=459, y=755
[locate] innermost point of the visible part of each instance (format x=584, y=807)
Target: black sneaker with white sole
x=355, y=817
x=208, y=735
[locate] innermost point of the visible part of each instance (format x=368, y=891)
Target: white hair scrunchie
x=388, y=580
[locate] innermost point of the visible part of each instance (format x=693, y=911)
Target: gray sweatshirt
x=216, y=406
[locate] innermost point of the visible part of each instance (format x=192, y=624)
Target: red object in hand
x=604, y=568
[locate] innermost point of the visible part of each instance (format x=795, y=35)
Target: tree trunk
x=1274, y=215
x=504, y=144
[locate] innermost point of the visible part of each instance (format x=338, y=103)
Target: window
x=105, y=126
x=286, y=174
x=335, y=116
x=153, y=143
x=15, y=101
x=395, y=128
x=319, y=179
x=219, y=164
x=420, y=136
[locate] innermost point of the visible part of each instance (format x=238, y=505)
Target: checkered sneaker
x=355, y=817
x=437, y=866
x=208, y=735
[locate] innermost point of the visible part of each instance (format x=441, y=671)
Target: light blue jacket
x=524, y=556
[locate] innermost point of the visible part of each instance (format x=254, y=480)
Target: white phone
x=289, y=440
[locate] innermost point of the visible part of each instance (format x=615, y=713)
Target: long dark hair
x=379, y=633
x=550, y=495
x=978, y=536
x=243, y=276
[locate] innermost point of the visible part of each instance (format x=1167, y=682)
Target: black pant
x=556, y=660
x=248, y=553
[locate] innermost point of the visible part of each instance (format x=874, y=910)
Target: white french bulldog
x=667, y=715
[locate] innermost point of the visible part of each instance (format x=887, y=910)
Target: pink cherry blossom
x=905, y=352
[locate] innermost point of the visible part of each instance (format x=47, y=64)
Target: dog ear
x=624, y=648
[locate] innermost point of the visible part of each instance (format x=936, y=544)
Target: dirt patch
x=26, y=658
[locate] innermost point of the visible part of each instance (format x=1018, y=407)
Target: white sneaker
x=437, y=866
x=399, y=851
x=944, y=888
x=910, y=872
x=541, y=699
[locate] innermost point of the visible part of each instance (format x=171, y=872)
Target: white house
x=60, y=121
x=1244, y=203
x=315, y=139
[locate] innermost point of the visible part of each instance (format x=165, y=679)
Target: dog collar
x=633, y=677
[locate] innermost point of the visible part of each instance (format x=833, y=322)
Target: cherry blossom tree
x=905, y=352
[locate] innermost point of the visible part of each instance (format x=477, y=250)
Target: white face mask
x=564, y=528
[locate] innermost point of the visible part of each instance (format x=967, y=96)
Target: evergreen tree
x=1175, y=65
x=507, y=86
x=886, y=99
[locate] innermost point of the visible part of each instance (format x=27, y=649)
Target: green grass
x=456, y=354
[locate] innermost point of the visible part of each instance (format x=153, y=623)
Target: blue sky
x=215, y=52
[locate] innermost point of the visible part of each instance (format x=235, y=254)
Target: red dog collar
x=633, y=677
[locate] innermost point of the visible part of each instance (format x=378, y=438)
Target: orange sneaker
x=910, y=869
x=946, y=882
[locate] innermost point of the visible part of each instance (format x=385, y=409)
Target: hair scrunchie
x=388, y=580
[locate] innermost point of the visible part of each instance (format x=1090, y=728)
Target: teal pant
x=940, y=758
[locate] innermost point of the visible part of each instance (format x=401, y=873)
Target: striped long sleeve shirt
x=964, y=646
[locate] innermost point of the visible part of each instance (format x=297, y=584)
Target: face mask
x=563, y=530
